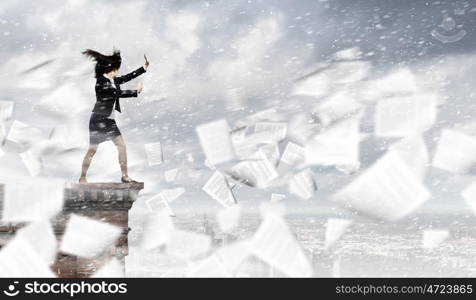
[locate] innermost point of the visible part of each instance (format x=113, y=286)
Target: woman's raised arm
x=134, y=74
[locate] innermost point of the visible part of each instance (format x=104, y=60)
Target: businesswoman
x=102, y=126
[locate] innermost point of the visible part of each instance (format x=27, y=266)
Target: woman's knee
x=92, y=149
x=121, y=146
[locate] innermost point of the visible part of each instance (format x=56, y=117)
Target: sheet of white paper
x=335, y=228
x=216, y=142
x=252, y=143
x=256, y=171
x=302, y=184
x=32, y=162
x=86, y=237
x=159, y=203
x=33, y=199
x=271, y=151
x=22, y=133
x=157, y=229
x=112, y=269
x=293, y=154
x=433, y=238
x=399, y=82
x=40, y=234
x=217, y=187
x=275, y=244
x=414, y=152
x=338, y=106
x=6, y=110
x=338, y=145
x=19, y=258
x=276, y=130
x=245, y=148
x=404, y=116
x=456, y=152
x=154, y=153
x=302, y=127
x=317, y=85
x=389, y=189
x=234, y=100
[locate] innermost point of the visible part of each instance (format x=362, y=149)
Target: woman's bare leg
x=121, y=148
x=87, y=162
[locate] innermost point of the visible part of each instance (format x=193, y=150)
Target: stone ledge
x=103, y=201
x=106, y=186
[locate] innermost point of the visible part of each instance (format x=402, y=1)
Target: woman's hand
x=140, y=88
x=146, y=64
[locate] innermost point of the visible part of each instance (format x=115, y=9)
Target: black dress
x=101, y=127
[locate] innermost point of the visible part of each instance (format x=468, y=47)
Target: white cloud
x=250, y=51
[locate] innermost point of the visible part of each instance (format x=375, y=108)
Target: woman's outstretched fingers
x=140, y=88
x=146, y=61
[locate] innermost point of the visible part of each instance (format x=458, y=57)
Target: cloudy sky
x=225, y=59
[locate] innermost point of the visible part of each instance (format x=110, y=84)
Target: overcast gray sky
x=205, y=54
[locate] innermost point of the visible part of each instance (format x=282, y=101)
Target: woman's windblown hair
x=104, y=63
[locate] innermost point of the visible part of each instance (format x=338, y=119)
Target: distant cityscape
x=368, y=249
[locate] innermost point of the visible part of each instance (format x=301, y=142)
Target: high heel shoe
x=128, y=180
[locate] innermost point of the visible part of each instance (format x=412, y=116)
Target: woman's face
x=114, y=72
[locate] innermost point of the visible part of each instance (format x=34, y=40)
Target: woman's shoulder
x=101, y=79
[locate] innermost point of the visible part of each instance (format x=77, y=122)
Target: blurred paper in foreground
x=32, y=200
x=334, y=230
x=218, y=188
x=403, y=116
x=85, y=237
x=338, y=145
x=456, y=152
x=275, y=244
x=216, y=141
x=389, y=190
x=19, y=258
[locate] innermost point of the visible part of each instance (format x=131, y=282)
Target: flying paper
x=216, y=142
x=389, y=189
x=85, y=237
